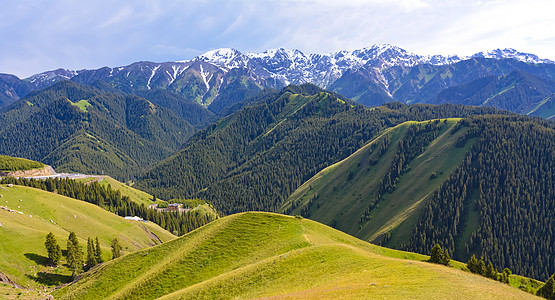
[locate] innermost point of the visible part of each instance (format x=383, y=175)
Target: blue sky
x=37, y=36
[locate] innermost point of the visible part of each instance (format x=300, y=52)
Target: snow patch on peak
x=220, y=57
x=204, y=76
x=513, y=54
x=152, y=75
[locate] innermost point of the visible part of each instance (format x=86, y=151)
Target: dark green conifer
x=91, y=258
x=438, y=257
x=548, y=289
x=116, y=248
x=491, y=272
x=473, y=265
x=53, y=249
x=74, y=254
x=97, y=251
x=481, y=267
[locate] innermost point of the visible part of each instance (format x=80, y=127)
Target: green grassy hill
x=252, y=255
x=341, y=194
x=23, y=232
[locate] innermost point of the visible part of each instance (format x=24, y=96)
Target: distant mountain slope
x=517, y=91
x=222, y=77
x=22, y=235
x=254, y=158
x=462, y=184
x=423, y=83
x=78, y=128
x=257, y=255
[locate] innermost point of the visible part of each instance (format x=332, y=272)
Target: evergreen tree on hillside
x=548, y=289
x=473, y=265
x=91, y=254
x=53, y=249
x=506, y=275
x=116, y=248
x=97, y=251
x=74, y=254
x=438, y=257
x=491, y=272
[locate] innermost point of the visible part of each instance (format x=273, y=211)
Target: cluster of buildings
x=172, y=207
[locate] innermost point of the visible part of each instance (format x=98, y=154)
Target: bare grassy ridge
x=253, y=255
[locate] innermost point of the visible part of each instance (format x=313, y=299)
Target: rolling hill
x=29, y=214
x=257, y=255
x=463, y=184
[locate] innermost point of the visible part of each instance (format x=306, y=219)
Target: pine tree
x=481, y=267
x=91, y=259
x=548, y=289
x=446, y=258
x=53, y=249
x=491, y=272
x=74, y=254
x=438, y=257
x=116, y=248
x=506, y=275
x=97, y=251
x=473, y=265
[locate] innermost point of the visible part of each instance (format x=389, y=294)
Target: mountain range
x=372, y=76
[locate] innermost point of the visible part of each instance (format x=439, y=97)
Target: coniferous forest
x=500, y=203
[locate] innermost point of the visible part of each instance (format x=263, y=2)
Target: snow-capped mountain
x=209, y=77
x=512, y=54
x=293, y=66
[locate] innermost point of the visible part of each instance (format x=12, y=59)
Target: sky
x=37, y=35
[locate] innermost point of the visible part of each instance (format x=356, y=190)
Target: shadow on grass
x=50, y=279
x=38, y=259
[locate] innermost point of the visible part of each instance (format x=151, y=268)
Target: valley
x=220, y=177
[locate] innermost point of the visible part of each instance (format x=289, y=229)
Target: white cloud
x=39, y=35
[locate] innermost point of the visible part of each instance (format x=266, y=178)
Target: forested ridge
x=81, y=129
x=255, y=158
x=500, y=203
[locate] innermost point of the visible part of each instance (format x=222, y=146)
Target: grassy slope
x=252, y=255
x=22, y=235
x=342, y=201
